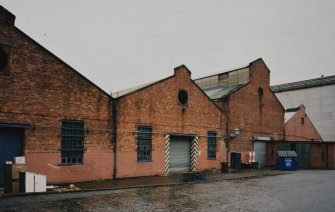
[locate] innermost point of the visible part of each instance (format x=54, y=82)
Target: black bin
x=224, y=166
x=236, y=160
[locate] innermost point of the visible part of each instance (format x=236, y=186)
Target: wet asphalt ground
x=310, y=190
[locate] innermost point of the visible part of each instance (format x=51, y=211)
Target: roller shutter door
x=180, y=155
x=260, y=153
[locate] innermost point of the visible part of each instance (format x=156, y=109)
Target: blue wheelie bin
x=287, y=160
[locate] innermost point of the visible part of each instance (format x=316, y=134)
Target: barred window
x=144, y=146
x=211, y=148
x=72, y=148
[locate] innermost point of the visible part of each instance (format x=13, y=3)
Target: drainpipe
x=227, y=127
x=284, y=131
x=228, y=139
x=327, y=156
x=114, y=122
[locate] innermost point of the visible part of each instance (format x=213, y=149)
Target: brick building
x=59, y=120
x=168, y=126
x=298, y=126
x=245, y=96
x=71, y=130
x=318, y=99
x=318, y=96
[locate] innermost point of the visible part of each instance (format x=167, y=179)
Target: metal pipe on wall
x=115, y=120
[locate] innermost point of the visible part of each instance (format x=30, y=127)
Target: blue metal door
x=11, y=145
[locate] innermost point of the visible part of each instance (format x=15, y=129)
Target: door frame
x=194, y=151
x=18, y=134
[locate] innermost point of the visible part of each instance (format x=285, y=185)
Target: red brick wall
x=331, y=156
x=41, y=90
x=298, y=130
x=97, y=166
x=318, y=156
x=252, y=117
x=158, y=106
x=321, y=154
x=271, y=154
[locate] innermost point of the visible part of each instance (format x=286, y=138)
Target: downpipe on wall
x=115, y=120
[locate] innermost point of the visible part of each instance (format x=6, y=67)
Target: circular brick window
x=182, y=97
x=3, y=58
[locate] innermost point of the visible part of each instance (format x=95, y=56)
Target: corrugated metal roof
x=222, y=72
x=129, y=90
x=214, y=93
x=304, y=84
x=220, y=92
x=283, y=154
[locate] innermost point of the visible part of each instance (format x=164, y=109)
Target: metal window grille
x=72, y=148
x=211, y=148
x=144, y=146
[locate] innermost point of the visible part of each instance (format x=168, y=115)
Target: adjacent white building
x=318, y=96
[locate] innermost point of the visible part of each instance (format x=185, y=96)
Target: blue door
x=11, y=145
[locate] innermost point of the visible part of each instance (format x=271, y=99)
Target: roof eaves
x=330, y=80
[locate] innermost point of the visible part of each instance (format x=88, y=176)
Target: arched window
x=183, y=97
x=260, y=94
x=3, y=58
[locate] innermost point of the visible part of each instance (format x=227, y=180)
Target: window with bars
x=211, y=148
x=72, y=146
x=144, y=146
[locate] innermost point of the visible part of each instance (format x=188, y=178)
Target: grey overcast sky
x=121, y=44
